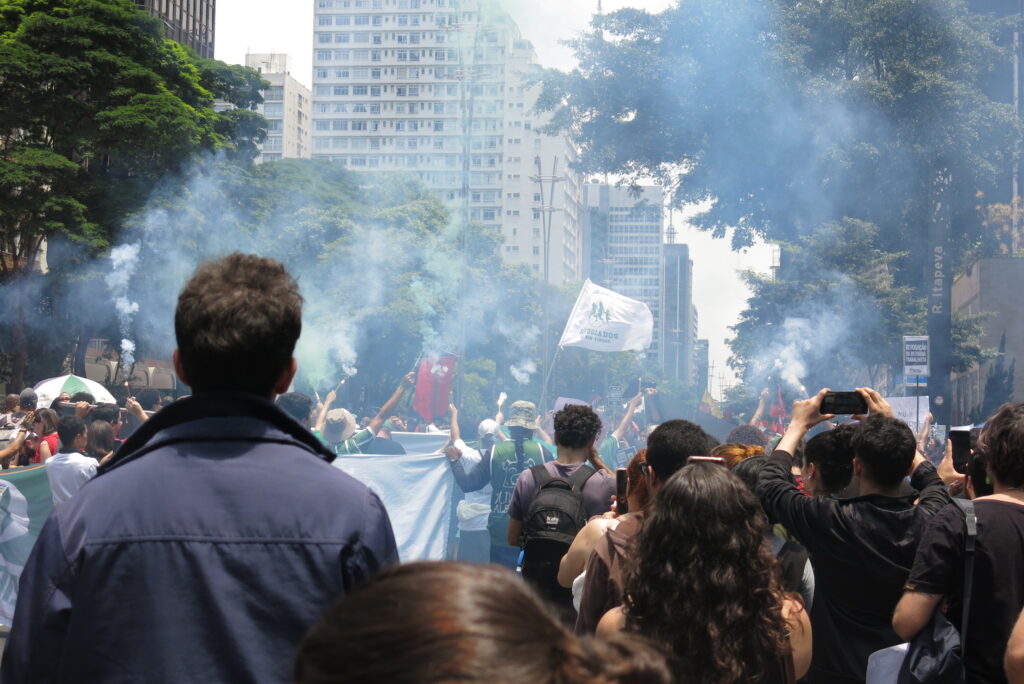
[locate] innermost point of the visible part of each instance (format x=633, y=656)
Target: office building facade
x=287, y=106
x=624, y=243
x=679, y=316
x=189, y=22
x=435, y=89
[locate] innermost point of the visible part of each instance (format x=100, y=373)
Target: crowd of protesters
x=177, y=553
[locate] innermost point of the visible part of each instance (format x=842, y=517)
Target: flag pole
x=547, y=377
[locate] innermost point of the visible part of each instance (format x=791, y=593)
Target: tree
x=792, y=119
x=98, y=107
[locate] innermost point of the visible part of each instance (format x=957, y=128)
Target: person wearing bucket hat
x=339, y=427
x=501, y=470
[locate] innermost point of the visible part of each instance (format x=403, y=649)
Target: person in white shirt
x=69, y=469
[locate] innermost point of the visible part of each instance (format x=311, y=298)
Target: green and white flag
x=25, y=504
x=603, y=320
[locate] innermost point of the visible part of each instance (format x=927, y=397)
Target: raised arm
x=453, y=418
x=499, y=417
x=321, y=420
x=630, y=411
x=804, y=516
x=389, y=405
x=761, y=404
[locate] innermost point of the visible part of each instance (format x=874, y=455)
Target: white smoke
x=523, y=371
x=124, y=260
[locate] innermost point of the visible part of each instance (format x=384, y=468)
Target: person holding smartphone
x=862, y=549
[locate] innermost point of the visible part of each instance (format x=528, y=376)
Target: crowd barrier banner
x=416, y=489
x=25, y=504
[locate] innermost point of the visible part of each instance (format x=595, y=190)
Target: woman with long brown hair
x=703, y=584
x=456, y=622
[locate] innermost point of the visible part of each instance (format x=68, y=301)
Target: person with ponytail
x=500, y=468
x=456, y=622
x=702, y=583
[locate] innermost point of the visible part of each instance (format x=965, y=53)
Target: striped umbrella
x=48, y=390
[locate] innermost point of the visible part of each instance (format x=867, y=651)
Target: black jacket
x=862, y=550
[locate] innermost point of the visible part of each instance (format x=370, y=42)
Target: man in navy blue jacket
x=219, y=532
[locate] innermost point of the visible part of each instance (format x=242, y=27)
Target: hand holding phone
x=621, y=482
x=844, y=403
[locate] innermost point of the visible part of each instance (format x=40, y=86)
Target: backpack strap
x=580, y=477
x=971, y=520
x=541, y=476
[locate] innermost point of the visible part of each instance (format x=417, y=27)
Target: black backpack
x=555, y=515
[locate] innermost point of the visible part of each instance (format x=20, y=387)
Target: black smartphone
x=838, y=403
x=961, y=440
x=621, y=503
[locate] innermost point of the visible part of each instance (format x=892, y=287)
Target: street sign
x=916, y=358
x=614, y=393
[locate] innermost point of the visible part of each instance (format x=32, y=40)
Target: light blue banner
x=416, y=489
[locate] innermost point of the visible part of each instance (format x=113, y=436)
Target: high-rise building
x=437, y=89
x=190, y=22
x=287, y=105
x=702, y=356
x=623, y=234
x=679, y=316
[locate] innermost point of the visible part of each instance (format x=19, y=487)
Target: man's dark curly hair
x=702, y=581
x=576, y=426
x=832, y=455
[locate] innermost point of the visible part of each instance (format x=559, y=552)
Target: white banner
x=911, y=410
x=416, y=489
x=603, y=320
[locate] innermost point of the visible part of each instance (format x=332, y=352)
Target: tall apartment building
x=623, y=238
x=190, y=22
x=679, y=316
x=436, y=88
x=287, y=107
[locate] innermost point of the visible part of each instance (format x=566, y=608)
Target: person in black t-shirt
x=998, y=588
x=862, y=548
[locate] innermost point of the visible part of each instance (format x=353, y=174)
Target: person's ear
x=179, y=369
x=858, y=467
x=284, y=381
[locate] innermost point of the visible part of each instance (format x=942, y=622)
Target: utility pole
x=547, y=210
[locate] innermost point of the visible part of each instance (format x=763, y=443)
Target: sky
x=286, y=26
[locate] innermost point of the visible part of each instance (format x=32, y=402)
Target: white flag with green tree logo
x=604, y=320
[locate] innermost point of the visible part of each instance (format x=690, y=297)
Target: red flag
x=434, y=386
x=778, y=412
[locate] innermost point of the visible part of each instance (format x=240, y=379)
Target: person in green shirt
x=610, y=445
x=506, y=461
x=339, y=427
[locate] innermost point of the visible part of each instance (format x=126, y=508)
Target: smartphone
x=837, y=403
x=621, y=503
x=961, y=440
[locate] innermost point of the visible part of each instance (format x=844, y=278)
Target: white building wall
x=287, y=106
x=397, y=82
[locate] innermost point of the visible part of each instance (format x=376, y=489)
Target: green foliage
x=808, y=124
x=98, y=107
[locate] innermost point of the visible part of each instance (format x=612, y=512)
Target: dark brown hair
x=576, y=426
x=448, y=622
x=237, y=323
x=1002, y=443
x=638, y=484
x=702, y=581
